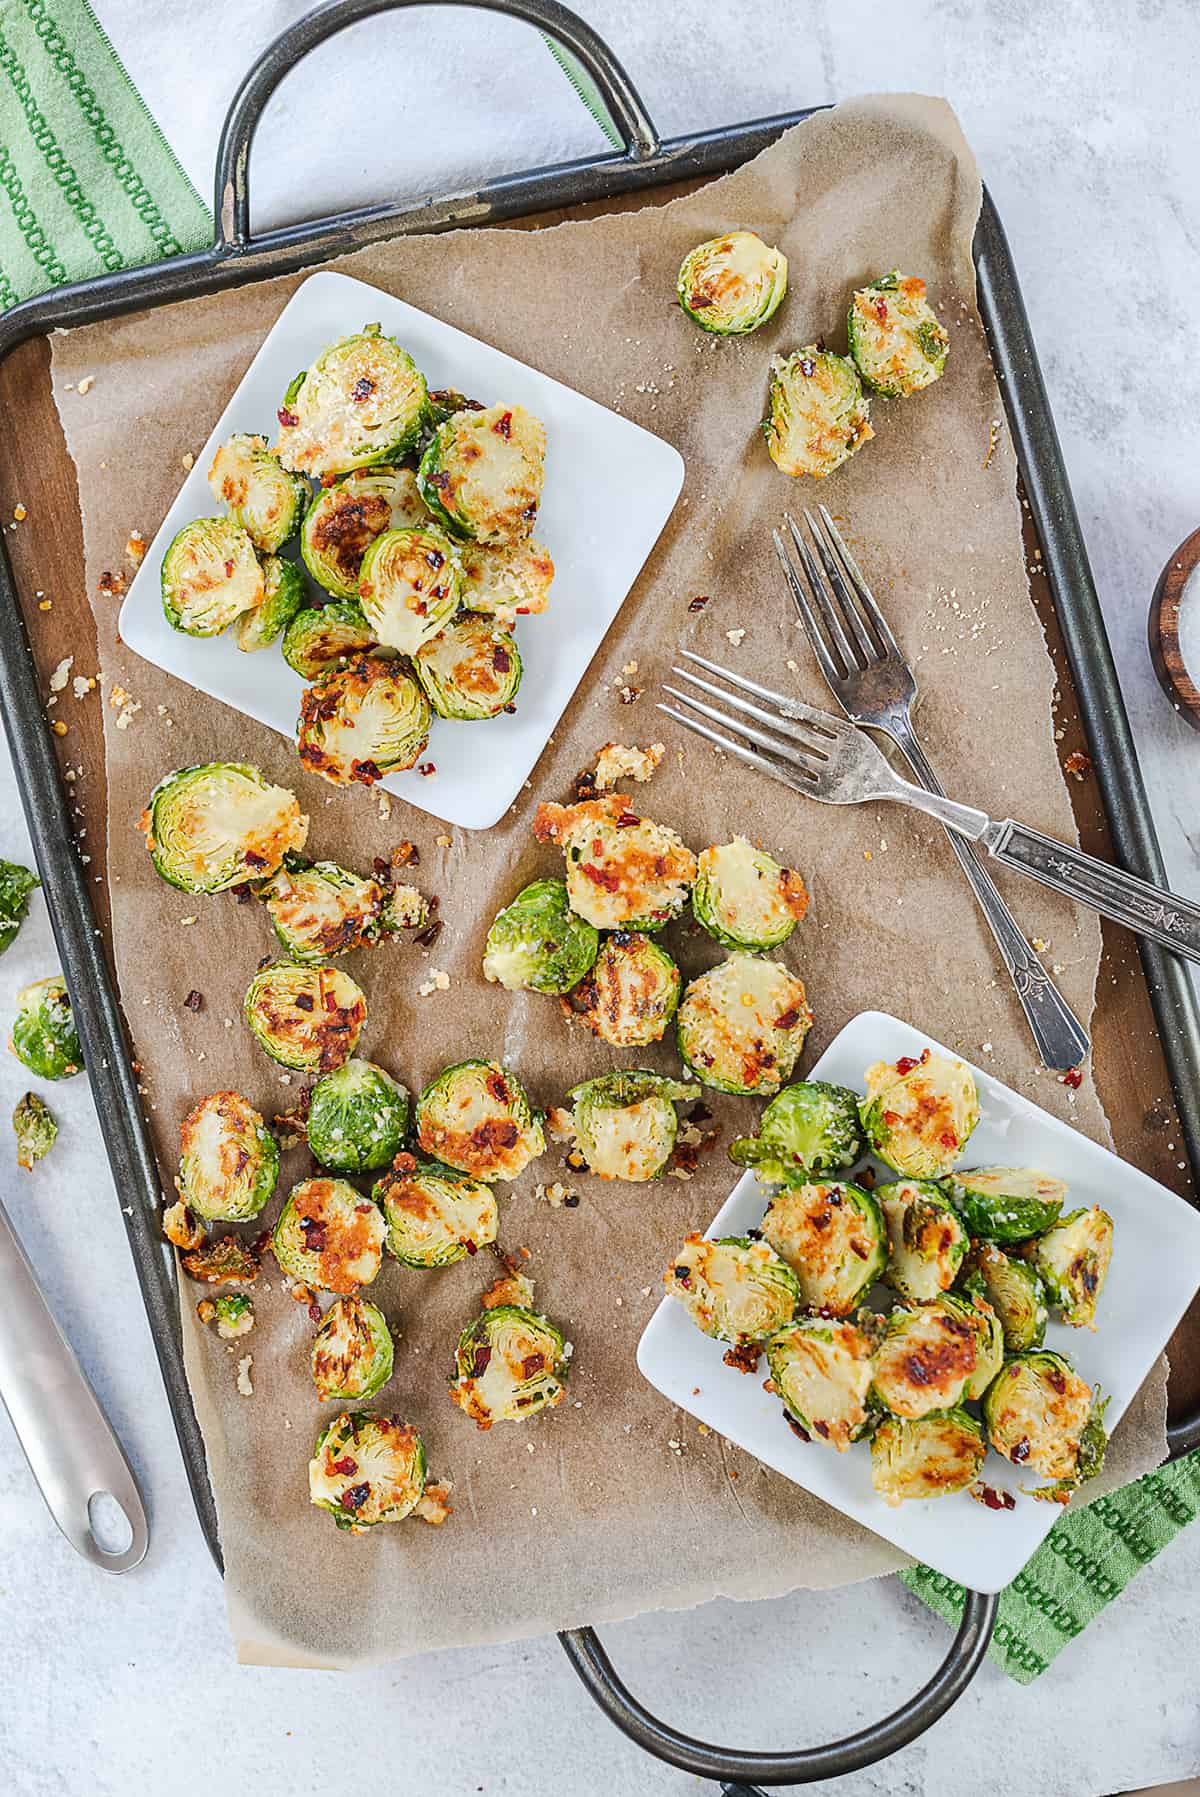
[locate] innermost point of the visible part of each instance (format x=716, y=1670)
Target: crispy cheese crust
x=352, y=1352
x=473, y=1118
x=509, y=580
x=631, y=993
x=343, y=522
x=471, y=669
x=927, y=1242
x=320, y=919
x=207, y=834
x=830, y=1234
x=361, y=400
x=484, y=471
x=817, y=412
x=738, y=1291
x=822, y=1372
x=896, y=340
x=925, y=1360
x=364, y=721
x=741, y=1026
x=1036, y=1417
x=227, y=1160
x=329, y=1236
x=928, y=1457
x=744, y=898
x=307, y=1018
x=434, y=1220
x=367, y=1469
x=919, y=1112
x=623, y=870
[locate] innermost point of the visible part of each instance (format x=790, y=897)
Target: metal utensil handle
x=67, y=1439
x=1150, y=910
x=1062, y=1041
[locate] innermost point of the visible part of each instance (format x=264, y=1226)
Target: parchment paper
x=613, y=1503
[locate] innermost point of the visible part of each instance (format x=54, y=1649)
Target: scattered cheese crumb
x=135, y=548
x=58, y=678
x=555, y=1195
x=188, y=460
x=385, y=806
x=629, y=669
x=86, y=384
x=616, y=763
x=407, y=909
x=445, y=842
x=560, y=1124
x=19, y=514
x=438, y=981
x=244, y=1384
x=734, y=636
x=82, y=685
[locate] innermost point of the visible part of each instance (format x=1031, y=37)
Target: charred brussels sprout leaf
x=226, y=1261
x=16, y=884
x=927, y=1242
x=320, y=911
x=538, y=943
x=510, y=1364
x=306, y=1018
x=368, y=720
x=735, y=1289
x=357, y=1118
x=744, y=899
x=926, y=1457
x=507, y=580
x=989, y=1342
x=928, y=1356
x=832, y=1236
x=1042, y=1416
x=263, y=498
x=1072, y=1258
x=344, y=520
x=352, y=1354
x=482, y=473
x=741, y=1026
x=477, y=1118
x=228, y=1159
x=362, y=401
x=730, y=285
x=821, y=1369
x=896, y=340
x=624, y=871
x=408, y=587
x=817, y=413
x=1015, y=1291
x=321, y=637
x=43, y=1033
x=471, y=670
x=434, y=1215
x=1007, y=1204
x=283, y=597
x=219, y=825
x=367, y=1469
x=625, y=1123
x=631, y=993
x=36, y=1130
x=919, y=1113
x=329, y=1236
x=210, y=576
x=810, y=1127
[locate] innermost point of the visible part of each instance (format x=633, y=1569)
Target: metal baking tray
x=236, y=258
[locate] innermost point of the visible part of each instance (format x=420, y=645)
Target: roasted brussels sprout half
x=353, y=1352
x=624, y=872
x=477, y=1118
x=16, y=884
x=817, y=413
x=735, y=1289
x=343, y=521
x=896, y=341
x=1015, y=1291
x=362, y=401
x=320, y=911
x=821, y=1369
x=926, y=1240
x=732, y=284
x=919, y=1113
x=323, y=637
x=43, y=1033
x=471, y=669
x=832, y=1236
x=329, y=1236
x=220, y=824
x=232, y=1315
x=283, y=597
x=511, y=1363
x=408, y=587
x=625, y=1122
x=357, y=1118
x=745, y=899
x=1040, y=1414
x=926, y=1457
x=538, y=943
x=263, y=497
x=507, y=580
x=741, y=1025
x=927, y=1357
x=223, y=1260
x=210, y=576
x=367, y=720
x=1073, y=1258
x=36, y=1130
x=367, y=1469
x=228, y=1159
x=1007, y=1204
x=631, y=993
x=482, y=473
x=434, y=1215
x=811, y=1127
x=989, y=1342
x=306, y=1018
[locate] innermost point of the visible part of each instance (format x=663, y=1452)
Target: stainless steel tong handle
x=66, y=1437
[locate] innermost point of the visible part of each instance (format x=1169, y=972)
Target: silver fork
x=826, y=758
x=868, y=675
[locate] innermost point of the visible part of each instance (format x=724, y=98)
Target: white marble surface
x=1084, y=120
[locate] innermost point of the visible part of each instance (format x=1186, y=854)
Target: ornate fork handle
x=1150, y=910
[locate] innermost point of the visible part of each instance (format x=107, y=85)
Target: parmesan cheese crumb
x=82, y=685
x=445, y=842
x=734, y=637
x=188, y=460
x=438, y=981
x=555, y=1195
x=19, y=514
x=86, y=385
x=245, y=1384
x=616, y=763
x=59, y=677
x=135, y=548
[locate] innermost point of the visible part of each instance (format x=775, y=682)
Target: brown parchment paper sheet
x=613, y=1503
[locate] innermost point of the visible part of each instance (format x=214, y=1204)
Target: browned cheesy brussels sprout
x=320, y=911
x=741, y=1026
x=626, y=1122
x=362, y=722
x=362, y=401
x=624, y=872
x=1015, y=1291
x=1072, y=1258
x=435, y=1216
x=919, y=1113
x=1041, y=1415
x=482, y=473
x=329, y=1236
x=926, y=1240
x=732, y=284
x=219, y=825
x=926, y=1457
x=896, y=340
x=832, y=1236
x=367, y=1469
x=352, y=1354
x=817, y=413
x=228, y=1159
x=210, y=576
x=745, y=899
x=263, y=498
x=283, y=596
x=476, y=1117
x=323, y=637
x=344, y=520
x=306, y=1018
x=471, y=670
x=511, y=1363
x=631, y=993
x=507, y=580
x=1007, y=1204
x=926, y=1358
x=735, y=1289
x=822, y=1370
x=408, y=587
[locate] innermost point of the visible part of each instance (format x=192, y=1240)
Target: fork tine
x=798, y=755
x=812, y=629
x=868, y=650
x=796, y=778
x=815, y=725
x=866, y=597
x=783, y=702
x=826, y=606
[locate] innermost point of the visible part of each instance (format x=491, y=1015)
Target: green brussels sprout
x=362, y=722
x=329, y=1236
x=319, y=910
x=43, y=1033
x=896, y=340
x=1007, y=1204
x=16, y=884
x=810, y=1127
x=344, y=520
x=1015, y=1291
x=434, y=1215
x=821, y=1369
x=510, y=1363
x=210, y=576
x=361, y=402
x=1040, y=1414
x=735, y=1289
x=1072, y=1257
x=352, y=1353
x=367, y=1469
x=817, y=413
x=482, y=473
x=228, y=1159
x=283, y=597
x=919, y=1113
x=745, y=899
x=926, y=1457
x=408, y=587
x=631, y=993
x=625, y=1122
x=740, y=1026
x=928, y=1355
x=220, y=824
x=307, y=1018
x=357, y=1118
x=537, y=943
x=322, y=637
x=507, y=580
x=927, y=1242
x=832, y=1235
x=36, y=1130
x=471, y=669
x=624, y=872
x=730, y=285
x=404, y=908
x=232, y=1313
x=477, y=1118
x=264, y=499
x=989, y=1342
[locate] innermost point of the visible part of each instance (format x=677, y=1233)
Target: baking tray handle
x=231, y=206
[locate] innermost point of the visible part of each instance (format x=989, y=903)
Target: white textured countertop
x=1084, y=120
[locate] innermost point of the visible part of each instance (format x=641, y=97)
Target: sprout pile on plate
x=419, y=539
x=974, y=1261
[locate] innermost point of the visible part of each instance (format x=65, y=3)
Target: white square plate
x=1154, y=1274
x=610, y=488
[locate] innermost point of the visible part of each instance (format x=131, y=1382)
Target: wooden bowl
x=1163, y=630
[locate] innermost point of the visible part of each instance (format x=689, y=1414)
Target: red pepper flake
x=482, y=1360
x=362, y=389
x=406, y=854
x=503, y=425
x=1020, y=1452
x=948, y=1139
x=304, y=1001
x=429, y=935
x=355, y=1496
x=698, y=603
x=1077, y=764
x=628, y=694
x=253, y=860
x=807, y=366
x=427, y=767
x=907, y=1062
x=743, y=1358
x=606, y=877
x=500, y=659
x=242, y=895
x=881, y=309
x=627, y=820
x=788, y=1019
x=994, y=1499
x=287, y=418
x=795, y=1427
x=532, y=1363
x=1073, y=1078
x=471, y=1247
x=194, y=1001
x=344, y=1467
